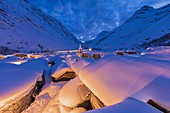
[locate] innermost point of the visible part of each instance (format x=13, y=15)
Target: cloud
x=86, y=18
x=158, y=5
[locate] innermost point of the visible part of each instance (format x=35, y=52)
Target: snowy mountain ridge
x=99, y=37
x=25, y=28
x=146, y=25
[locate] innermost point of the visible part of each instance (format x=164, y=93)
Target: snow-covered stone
x=39, y=65
x=47, y=100
x=16, y=83
x=128, y=105
x=61, y=69
x=160, y=52
x=73, y=93
x=157, y=90
x=77, y=110
x=114, y=78
x=80, y=63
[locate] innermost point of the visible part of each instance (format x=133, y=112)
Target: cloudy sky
x=86, y=18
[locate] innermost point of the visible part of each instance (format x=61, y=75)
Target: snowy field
x=113, y=83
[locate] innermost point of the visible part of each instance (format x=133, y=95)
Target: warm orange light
x=18, y=62
x=90, y=49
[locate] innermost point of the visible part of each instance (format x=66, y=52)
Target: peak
x=164, y=7
x=104, y=32
x=146, y=7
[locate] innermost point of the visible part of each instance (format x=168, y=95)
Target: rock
x=24, y=102
x=95, y=102
x=65, y=77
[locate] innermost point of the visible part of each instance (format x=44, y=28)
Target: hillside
x=99, y=37
x=145, y=28
x=24, y=28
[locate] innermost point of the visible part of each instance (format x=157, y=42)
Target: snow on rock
x=15, y=83
x=61, y=69
x=48, y=92
x=72, y=59
x=73, y=93
x=128, y=105
x=77, y=110
x=14, y=60
x=57, y=60
x=64, y=109
x=80, y=63
x=48, y=101
x=10, y=59
x=114, y=78
x=39, y=65
x=157, y=90
x=55, y=106
x=2, y=56
x=4, y=65
x=160, y=52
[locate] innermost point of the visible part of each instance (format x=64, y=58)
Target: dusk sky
x=86, y=18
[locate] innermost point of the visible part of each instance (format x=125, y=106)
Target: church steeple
x=80, y=50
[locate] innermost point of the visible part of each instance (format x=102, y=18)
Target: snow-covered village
x=94, y=56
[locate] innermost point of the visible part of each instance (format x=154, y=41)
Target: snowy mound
x=129, y=105
x=147, y=27
x=114, y=78
x=16, y=82
x=73, y=93
x=157, y=90
x=25, y=28
x=161, y=52
x=39, y=65
x=81, y=63
x=61, y=69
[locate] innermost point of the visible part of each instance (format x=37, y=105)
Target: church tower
x=80, y=50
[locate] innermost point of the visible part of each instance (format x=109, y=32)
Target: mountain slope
x=146, y=25
x=99, y=37
x=25, y=28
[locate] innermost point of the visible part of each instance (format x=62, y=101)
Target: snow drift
x=160, y=52
x=16, y=83
x=129, y=105
x=114, y=78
